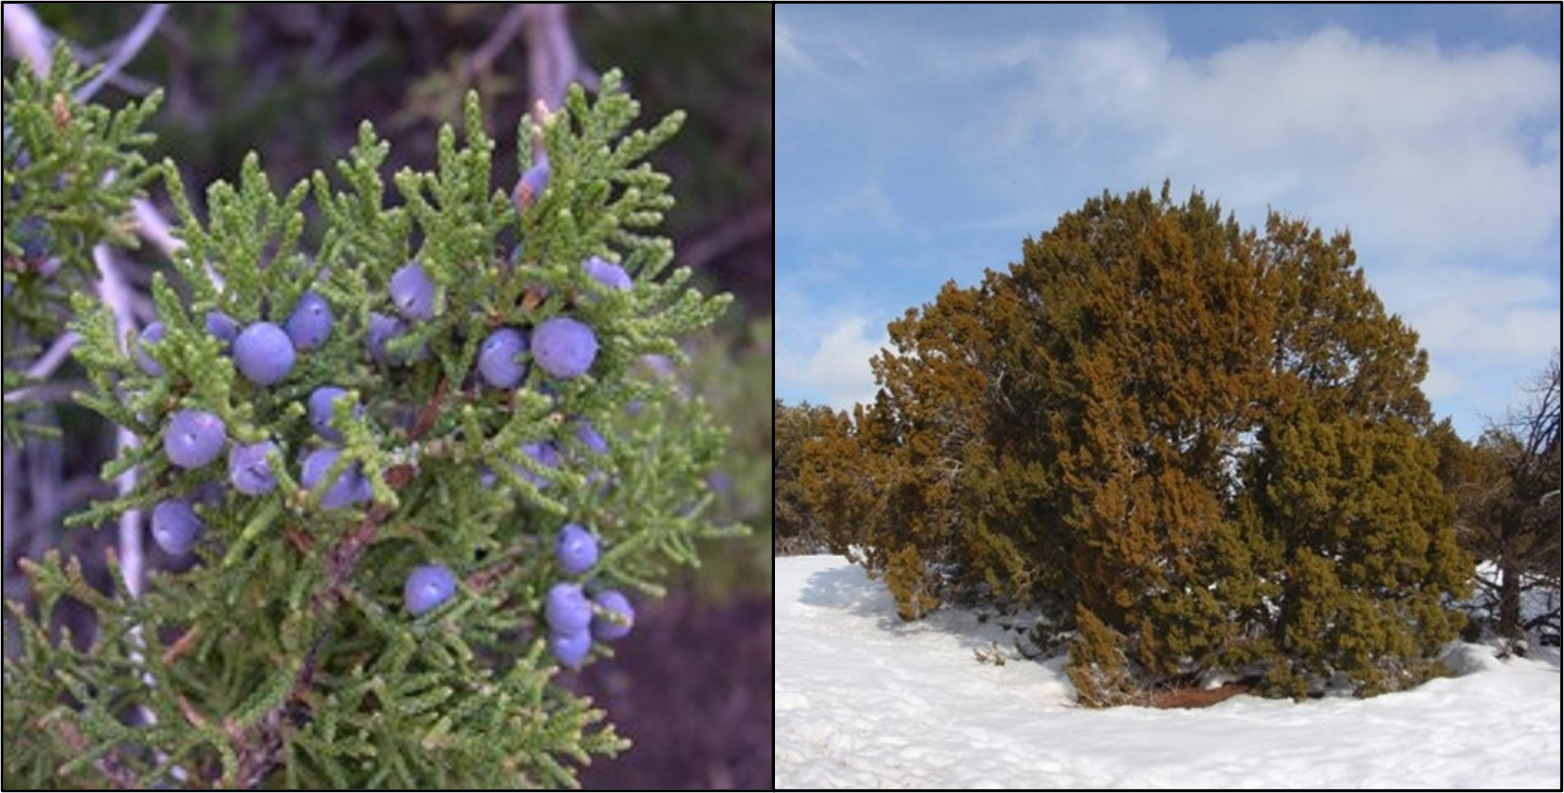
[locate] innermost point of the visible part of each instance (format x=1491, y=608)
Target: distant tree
x=797, y=528
x=1507, y=490
x=837, y=474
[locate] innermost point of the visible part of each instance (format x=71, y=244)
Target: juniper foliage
x=71, y=170
x=283, y=657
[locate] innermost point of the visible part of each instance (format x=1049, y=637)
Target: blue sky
x=921, y=144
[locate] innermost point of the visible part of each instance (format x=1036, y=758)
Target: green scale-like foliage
x=71, y=170
x=284, y=657
x=1367, y=558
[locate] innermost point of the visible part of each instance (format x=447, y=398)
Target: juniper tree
x=931, y=386
x=1127, y=427
x=374, y=594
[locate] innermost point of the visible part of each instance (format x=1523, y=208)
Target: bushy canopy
x=1206, y=443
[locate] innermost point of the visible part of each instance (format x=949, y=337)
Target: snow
x=864, y=700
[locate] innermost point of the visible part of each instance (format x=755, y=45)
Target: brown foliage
x=1203, y=443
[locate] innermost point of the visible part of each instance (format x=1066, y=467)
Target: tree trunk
x=1509, y=601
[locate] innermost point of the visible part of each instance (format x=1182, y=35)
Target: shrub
x=1208, y=440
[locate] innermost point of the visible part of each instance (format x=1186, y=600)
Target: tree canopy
x=1203, y=443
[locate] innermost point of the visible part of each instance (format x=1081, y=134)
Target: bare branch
x=115, y=294
x=553, y=60
x=132, y=44
x=28, y=35
x=53, y=391
x=154, y=228
x=52, y=358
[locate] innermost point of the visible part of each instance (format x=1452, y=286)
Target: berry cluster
x=573, y=618
x=266, y=354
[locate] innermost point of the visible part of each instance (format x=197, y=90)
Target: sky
x=921, y=144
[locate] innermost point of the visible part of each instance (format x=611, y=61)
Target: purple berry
x=412, y=290
x=222, y=327
x=607, y=273
x=175, y=527
x=152, y=334
x=567, y=608
x=249, y=470
x=497, y=360
x=194, y=438
x=590, y=437
x=576, y=549
x=382, y=331
x=427, y=587
x=320, y=411
x=531, y=186
x=617, y=626
x=564, y=347
x=350, y=487
x=310, y=324
x=263, y=353
x=570, y=648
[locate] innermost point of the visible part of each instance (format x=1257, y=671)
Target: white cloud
x=837, y=370
x=1523, y=334
x=1465, y=311
x=789, y=52
x=1440, y=151
x=1441, y=382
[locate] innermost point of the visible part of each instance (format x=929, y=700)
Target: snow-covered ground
x=866, y=701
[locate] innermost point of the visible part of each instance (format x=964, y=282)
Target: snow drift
x=864, y=700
